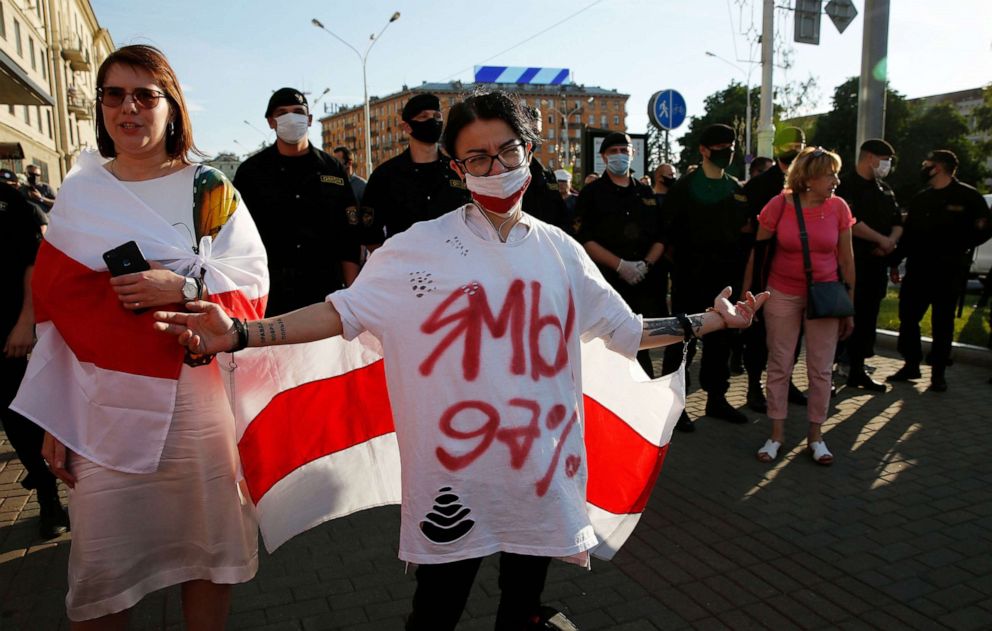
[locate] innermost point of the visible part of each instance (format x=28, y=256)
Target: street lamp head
x=317, y=23
x=395, y=17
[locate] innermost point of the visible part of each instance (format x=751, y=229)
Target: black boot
x=858, y=378
x=937, y=381
x=718, y=407
x=685, y=424
x=756, y=397
x=908, y=372
x=550, y=618
x=53, y=520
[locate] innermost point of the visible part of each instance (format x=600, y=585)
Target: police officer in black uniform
x=304, y=207
x=620, y=228
x=878, y=229
x=760, y=190
x=416, y=185
x=20, y=234
x=709, y=219
x=542, y=198
x=943, y=223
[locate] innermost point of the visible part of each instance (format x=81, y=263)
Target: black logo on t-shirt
x=448, y=520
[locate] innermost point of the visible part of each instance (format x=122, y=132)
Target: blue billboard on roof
x=519, y=75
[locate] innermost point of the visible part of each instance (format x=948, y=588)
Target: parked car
x=982, y=262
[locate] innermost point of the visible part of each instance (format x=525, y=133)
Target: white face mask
x=292, y=128
x=618, y=163
x=883, y=169
x=499, y=193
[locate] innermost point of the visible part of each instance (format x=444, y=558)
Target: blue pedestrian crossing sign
x=666, y=109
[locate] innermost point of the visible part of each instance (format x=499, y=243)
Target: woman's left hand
x=740, y=315
x=156, y=287
x=846, y=327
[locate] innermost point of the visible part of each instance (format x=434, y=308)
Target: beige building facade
x=50, y=51
x=585, y=106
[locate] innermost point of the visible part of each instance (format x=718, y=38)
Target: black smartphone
x=126, y=259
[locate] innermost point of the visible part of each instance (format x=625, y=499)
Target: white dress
x=133, y=534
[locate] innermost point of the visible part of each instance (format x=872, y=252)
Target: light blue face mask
x=618, y=163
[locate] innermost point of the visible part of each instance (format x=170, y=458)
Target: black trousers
x=919, y=292
x=443, y=589
x=870, y=285
x=24, y=436
x=714, y=368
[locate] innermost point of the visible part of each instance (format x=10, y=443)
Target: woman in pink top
x=828, y=221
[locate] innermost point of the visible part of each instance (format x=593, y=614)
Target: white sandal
x=821, y=455
x=769, y=451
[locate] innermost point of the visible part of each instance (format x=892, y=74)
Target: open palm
x=205, y=330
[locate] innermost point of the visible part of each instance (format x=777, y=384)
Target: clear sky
x=230, y=55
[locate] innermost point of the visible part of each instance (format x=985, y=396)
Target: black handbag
x=823, y=300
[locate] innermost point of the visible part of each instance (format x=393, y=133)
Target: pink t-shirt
x=824, y=223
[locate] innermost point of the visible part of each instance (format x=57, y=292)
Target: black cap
x=945, y=157
x=878, y=147
x=418, y=104
x=613, y=139
x=6, y=175
x=718, y=134
x=786, y=138
x=285, y=96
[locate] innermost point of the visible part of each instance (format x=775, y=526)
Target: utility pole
x=874, y=72
x=766, y=128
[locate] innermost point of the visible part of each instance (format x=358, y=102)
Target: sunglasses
x=145, y=98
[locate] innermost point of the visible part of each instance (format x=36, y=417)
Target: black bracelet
x=241, y=328
x=687, y=331
x=199, y=288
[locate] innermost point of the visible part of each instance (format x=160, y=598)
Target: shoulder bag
x=823, y=300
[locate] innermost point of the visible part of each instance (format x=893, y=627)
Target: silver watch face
x=189, y=289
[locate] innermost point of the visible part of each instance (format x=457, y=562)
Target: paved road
x=897, y=534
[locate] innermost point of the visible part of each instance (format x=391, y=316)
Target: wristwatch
x=190, y=290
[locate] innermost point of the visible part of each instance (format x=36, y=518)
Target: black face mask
x=721, y=158
x=669, y=182
x=787, y=158
x=32, y=178
x=925, y=174
x=428, y=131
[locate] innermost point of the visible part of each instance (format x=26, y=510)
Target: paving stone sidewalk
x=897, y=534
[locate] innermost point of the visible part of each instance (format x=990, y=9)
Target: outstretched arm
x=207, y=329
x=665, y=331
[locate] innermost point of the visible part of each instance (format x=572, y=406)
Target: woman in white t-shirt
x=488, y=338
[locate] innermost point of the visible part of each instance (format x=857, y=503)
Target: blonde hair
x=811, y=163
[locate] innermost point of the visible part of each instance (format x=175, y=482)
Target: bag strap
x=804, y=239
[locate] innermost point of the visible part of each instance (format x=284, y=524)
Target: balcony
x=79, y=105
x=77, y=56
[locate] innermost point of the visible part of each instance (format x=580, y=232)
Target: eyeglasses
x=819, y=151
x=143, y=97
x=480, y=165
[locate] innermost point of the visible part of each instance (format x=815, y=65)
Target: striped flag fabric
x=316, y=436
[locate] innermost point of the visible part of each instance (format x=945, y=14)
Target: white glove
x=632, y=272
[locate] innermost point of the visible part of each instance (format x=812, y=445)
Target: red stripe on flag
x=91, y=320
x=623, y=467
x=314, y=420
x=237, y=305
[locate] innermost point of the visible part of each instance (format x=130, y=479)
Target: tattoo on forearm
x=261, y=333
x=671, y=326
x=282, y=330
x=272, y=331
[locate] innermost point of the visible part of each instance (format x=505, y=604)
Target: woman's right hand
x=206, y=330
x=54, y=453
x=846, y=327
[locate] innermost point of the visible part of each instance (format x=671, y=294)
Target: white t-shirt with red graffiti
x=481, y=346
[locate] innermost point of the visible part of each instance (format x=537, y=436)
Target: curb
x=964, y=353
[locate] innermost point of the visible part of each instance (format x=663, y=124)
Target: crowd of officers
x=667, y=244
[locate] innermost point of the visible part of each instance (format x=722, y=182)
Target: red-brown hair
x=179, y=144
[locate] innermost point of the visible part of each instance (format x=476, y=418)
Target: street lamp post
x=365, y=83
x=747, y=131
x=565, y=116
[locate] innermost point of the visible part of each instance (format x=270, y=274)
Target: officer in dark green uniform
x=944, y=222
x=709, y=222
x=416, y=185
x=303, y=206
x=620, y=227
x=878, y=229
x=542, y=198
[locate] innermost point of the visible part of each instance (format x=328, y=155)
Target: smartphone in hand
x=126, y=259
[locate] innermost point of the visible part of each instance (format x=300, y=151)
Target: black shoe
x=796, y=396
x=717, y=407
x=906, y=373
x=860, y=379
x=938, y=384
x=53, y=520
x=756, y=400
x=685, y=424
x=550, y=618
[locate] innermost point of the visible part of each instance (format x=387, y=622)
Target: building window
x=616, y=120
x=551, y=119
x=44, y=65
x=17, y=38
x=551, y=133
x=592, y=120
x=3, y=23
x=10, y=108
x=34, y=63
x=51, y=133
x=602, y=120
x=27, y=114
x=37, y=112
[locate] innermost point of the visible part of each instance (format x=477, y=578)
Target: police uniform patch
x=649, y=201
x=955, y=208
x=457, y=184
x=351, y=213
x=740, y=198
x=331, y=179
x=552, y=187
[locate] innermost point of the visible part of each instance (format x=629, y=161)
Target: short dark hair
x=344, y=151
x=487, y=105
x=946, y=158
x=179, y=144
x=759, y=165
